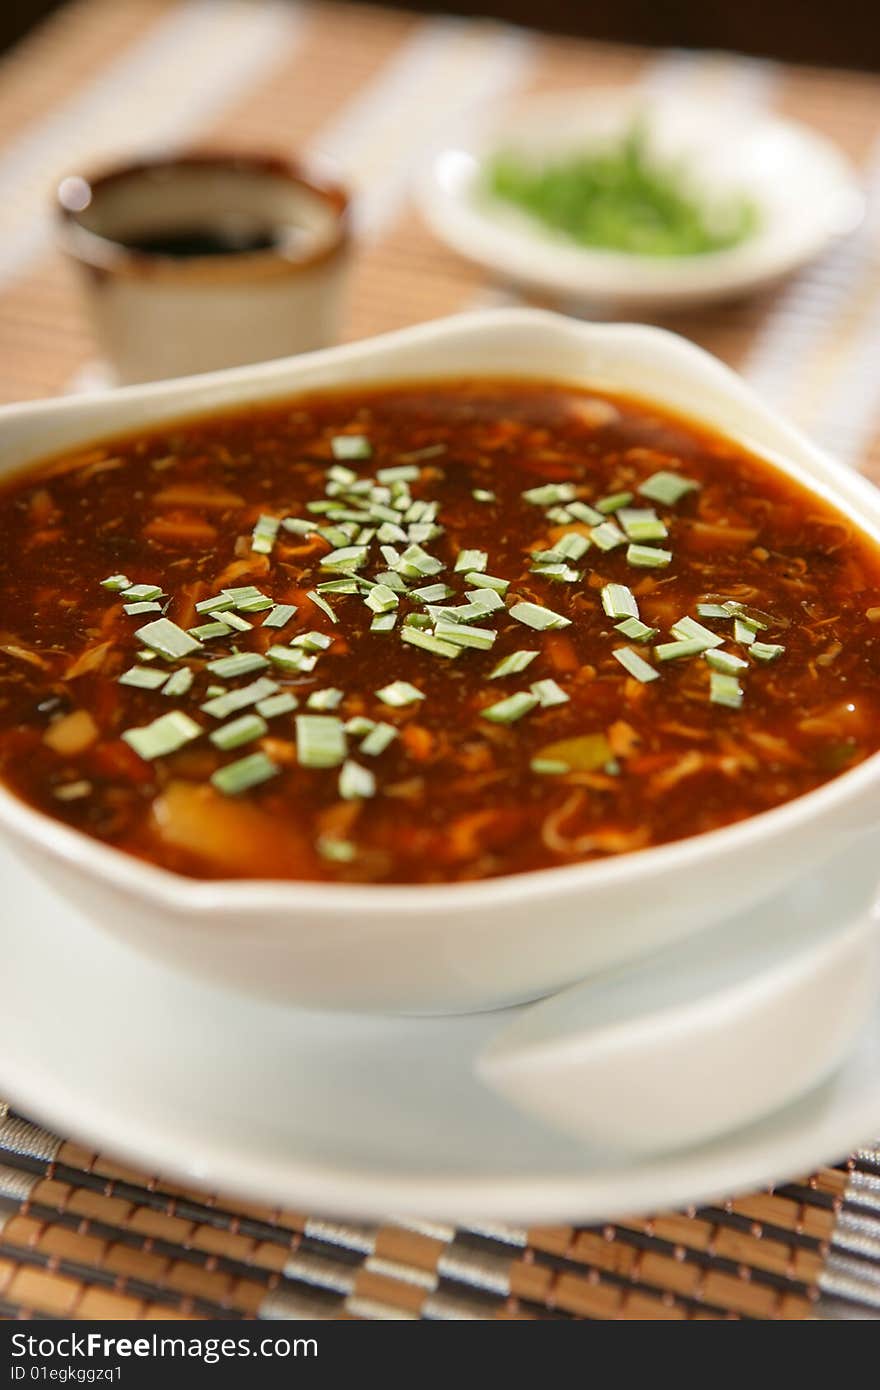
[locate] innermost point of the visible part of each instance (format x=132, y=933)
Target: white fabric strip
x=446, y=65
x=816, y=358
x=162, y=91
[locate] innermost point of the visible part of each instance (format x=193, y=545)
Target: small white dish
x=805, y=192
x=705, y=1037
x=360, y=1116
x=473, y=945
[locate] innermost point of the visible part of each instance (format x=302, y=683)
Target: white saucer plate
x=804, y=190
x=343, y=1114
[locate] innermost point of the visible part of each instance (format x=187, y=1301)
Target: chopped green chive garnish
x=463, y=635
x=743, y=632
x=607, y=505
x=168, y=639
x=241, y=664
x=178, y=683
x=220, y=603
x=550, y=495
x=725, y=662
x=247, y=772
x=510, y=710
x=399, y=473
x=642, y=524
x=433, y=593
x=416, y=563
x=549, y=693
x=356, y=783
x=512, y=664
x=725, y=690
x=674, y=651
x=288, y=658
x=428, y=642
x=277, y=704
x=165, y=735
x=133, y=610
x=322, y=604
x=635, y=665
x=712, y=610
x=383, y=622
x=688, y=629
x=239, y=731
x=471, y=560
x=116, y=583
x=320, y=740
x=350, y=446
x=143, y=677
x=347, y=557
x=312, y=641
x=264, y=533
x=607, y=536
x=667, y=488
x=482, y=494
x=619, y=601
x=236, y=621
x=142, y=593
x=399, y=693
x=549, y=767
x=206, y=632
x=541, y=619
x=334, y=850
x=358, y=725
x=636, y=630
x=220, y=706
x=572, y=546
x=280, y=616
x=381, y=599
x=766, y=651
x=325, y=699
x=580, y=511
x=648, y=557
x=489, y=600
x=377, y=739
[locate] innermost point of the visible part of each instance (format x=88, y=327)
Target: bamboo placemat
x=82, y=1237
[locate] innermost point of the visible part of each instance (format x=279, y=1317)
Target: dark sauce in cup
x=219, y=240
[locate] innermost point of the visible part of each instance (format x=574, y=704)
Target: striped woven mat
x=82, y=1237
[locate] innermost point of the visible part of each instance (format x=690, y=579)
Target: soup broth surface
x=426, y=633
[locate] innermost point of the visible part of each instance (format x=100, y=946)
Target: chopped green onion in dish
x=429, y=642
x=241, y=664
x=471, y=560
x=549, y=767
x=381, y=599
x=725, y=690
x=334, y=850
x=617, y=500
x=399, y=693
x=221, y=706
x=666, y=488
x=675, y=651
x=541, y=619
x=274, y=705
x=487, y=599
x=330, y=698
x=550, y=494
x=377, y=739
x=312, y=641
x=236, y=621
x=290, y=659
x=320, y=740
x=607, y=536
x=432, y=593
x=582, y=511
x=642, y=524
x=264, y=534
x=220, y=603
x=725, y=662
x=648, y=557
x=165, y=735
x=572, y=546
x=350, y=446
x=142, y=593
x=347, y=557
x=688, y=629
x=116, y=583
x=245, y=773
x=636, y=630
x=144, y=677
x=549, y=693
x=168, y=639
x=713, y=610
x=619, y=601
x=359, y=725
x=635, y=665
x=356, y=783
x=482, y=494
x=743, y=632
x=766, y=651
x=399, y=473
x=383, y=622
x=280, y=616
x=239, y=731
x=512, y=664
x=510, y=710
x=322, y=603
x=465, y=635
x=178, y=683
x=207, y=632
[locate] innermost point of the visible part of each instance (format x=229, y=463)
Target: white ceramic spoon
x=709, y=1035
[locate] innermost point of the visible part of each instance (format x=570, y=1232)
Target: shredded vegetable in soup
x=426, y=633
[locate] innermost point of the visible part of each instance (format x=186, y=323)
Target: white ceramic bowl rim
x=216, y=897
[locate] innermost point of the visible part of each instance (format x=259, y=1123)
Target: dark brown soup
x=426, y=633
